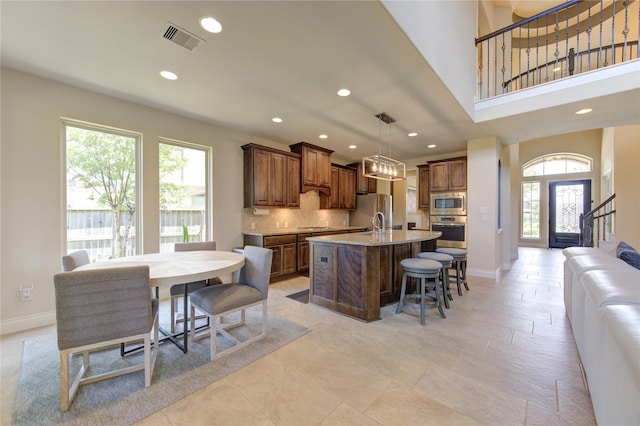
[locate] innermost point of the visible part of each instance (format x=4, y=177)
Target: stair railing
x=574, y=37
x=597, y=224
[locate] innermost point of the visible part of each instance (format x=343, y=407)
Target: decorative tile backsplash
x=309, y=214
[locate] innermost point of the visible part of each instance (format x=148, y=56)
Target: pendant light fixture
x=381, y=167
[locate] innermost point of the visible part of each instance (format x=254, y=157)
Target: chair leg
x=64, y=381
x=174, y=309
x=214, y=334
x=463, y=267
x=423, y=284
x=147, y=361
x=403, y=290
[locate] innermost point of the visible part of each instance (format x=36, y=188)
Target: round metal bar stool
x=460, y=258
x=446, y=261
x=424, y=270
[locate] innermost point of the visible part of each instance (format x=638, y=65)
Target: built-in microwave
x=448, y=203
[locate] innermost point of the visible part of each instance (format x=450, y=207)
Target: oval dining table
x=182, y=267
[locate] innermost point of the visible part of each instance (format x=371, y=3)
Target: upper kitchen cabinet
x=423, y=187
x=343, y=189
x=271, y=177
x=364, y=184
x=448, y=175
x=316, y=167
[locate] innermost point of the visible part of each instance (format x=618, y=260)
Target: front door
x=567, y=201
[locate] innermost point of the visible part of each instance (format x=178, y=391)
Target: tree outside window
x=101, y=192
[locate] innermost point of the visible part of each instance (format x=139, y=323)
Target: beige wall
x=587, y=143
x=484, y=241
x=626, y=183
x=32, y=175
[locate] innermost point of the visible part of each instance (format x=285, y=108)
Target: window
x=555, y=164
x=184, y=193
x=530, y=210
x=101, y=190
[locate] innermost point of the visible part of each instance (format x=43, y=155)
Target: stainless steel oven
x=448, y=203
x=453, y=228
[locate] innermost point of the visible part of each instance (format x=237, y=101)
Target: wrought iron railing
x=596, y=225
x=574, y=37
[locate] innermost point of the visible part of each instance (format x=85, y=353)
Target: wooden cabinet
x=271, y=177
x=303, y=252
x=285, y=251
x=364, y=184
x=343, y=189
x=448, y=175
x=315, y=168
x=423, y=187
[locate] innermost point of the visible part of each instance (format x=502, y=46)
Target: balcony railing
x=596, y=225
x=569, y=39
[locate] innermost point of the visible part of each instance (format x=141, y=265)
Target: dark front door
x=567, y=201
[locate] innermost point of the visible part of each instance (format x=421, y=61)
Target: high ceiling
x=272, y=59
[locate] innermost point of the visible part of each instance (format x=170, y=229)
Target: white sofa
x=602, y=301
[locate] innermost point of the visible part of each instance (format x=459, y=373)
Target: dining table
x=172, y=268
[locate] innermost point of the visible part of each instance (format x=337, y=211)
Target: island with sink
x=356, y=273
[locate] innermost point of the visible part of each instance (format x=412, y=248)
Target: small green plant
x=185, y=234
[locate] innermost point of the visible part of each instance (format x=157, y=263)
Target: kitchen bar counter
x=354, y=274
x=381, y=239
x=302, y=230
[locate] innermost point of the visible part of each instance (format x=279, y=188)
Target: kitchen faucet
x=377, y=224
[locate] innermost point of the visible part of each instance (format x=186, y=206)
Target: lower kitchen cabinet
x=285, y=252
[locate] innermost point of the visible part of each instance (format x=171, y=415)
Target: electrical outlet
x=277, y=225
x=286, y=225
x=253, y=225
x=26, y=293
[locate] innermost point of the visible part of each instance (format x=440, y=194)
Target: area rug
x=301, y=296
x=125, y=400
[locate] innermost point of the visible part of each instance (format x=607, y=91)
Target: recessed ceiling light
x=412, y=134
x=344, y=92
x=352, y=146
x=584, y=111
x=276, y=120
x=431, y=146
x=210, y=24
x=168, y=75
x=323, y=136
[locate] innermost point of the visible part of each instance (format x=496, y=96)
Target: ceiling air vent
x=181, y=37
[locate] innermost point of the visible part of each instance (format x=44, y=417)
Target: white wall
x=483, y=242
x=426, y=24
x=32, y=217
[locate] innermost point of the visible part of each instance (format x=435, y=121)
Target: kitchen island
x=354, y=274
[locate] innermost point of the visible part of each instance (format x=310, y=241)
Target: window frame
x=208, y=203
x=66, y=122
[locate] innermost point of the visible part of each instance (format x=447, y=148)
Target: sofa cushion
x=621, y=321
x=581, y=264
x=628, y=254
x=606, y=287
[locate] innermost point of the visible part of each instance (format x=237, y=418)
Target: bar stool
x=446, y=261
x=423, y=270
x=460, y=257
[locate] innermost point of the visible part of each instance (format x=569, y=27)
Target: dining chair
x=100, y=308
x=250, y=289
x=73, y=260
x=177, y=291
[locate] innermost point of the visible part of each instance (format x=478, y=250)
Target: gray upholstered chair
x=177, y=291
x=99, y=308
x=251, y=289
x=72, y=260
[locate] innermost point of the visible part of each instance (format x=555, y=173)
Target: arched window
x=557, y=164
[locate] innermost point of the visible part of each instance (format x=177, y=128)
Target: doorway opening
x=568, y=200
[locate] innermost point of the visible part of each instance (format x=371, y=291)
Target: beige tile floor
x=504, y=355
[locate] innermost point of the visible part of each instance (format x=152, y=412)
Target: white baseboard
x=15, y=325
x=484, y=273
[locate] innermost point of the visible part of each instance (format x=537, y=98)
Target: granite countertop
x=369, y=239
x=301, y=230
